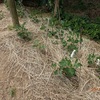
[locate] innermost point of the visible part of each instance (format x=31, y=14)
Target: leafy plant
x=67, y=67
x=23, y=33
x=82, y=24
x=69, y=72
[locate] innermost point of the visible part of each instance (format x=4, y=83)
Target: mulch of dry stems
x=28, y=70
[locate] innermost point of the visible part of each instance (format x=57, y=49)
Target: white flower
x=98, y=62
x=73, y=53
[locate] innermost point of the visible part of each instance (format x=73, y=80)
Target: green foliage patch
x=82, y=25
x=67, y=67
x=12, y=92
x=23, y=33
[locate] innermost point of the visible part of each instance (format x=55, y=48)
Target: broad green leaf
x=56, y=72
x=63, y=63
x=70, y=72
x=64, y=43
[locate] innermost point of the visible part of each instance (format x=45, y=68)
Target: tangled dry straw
x=28, y=69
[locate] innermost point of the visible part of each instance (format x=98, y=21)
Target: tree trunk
x=1, y=1
x=13, y=11
x=56, y=9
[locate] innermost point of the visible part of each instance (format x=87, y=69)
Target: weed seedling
x=23, y=33
x=13, y=92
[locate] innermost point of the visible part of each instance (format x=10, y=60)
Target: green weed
x=67, y=67
x=13, y=92
x=23, y=33
x=82, y=25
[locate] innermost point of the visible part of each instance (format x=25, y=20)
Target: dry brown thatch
x=28, y=69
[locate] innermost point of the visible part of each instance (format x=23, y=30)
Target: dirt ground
x=26, y=73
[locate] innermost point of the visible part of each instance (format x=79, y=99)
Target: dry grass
x=28, y=69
